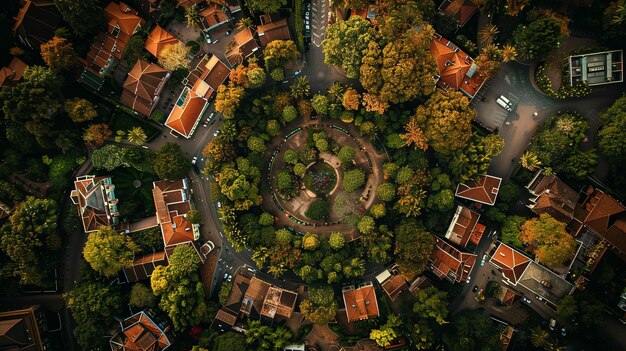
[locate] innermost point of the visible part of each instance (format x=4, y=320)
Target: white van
x=504, y=103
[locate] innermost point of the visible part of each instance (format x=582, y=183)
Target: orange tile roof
x=13, y=72
x=255, y=296
x=171, y=208
x=242, y=46
x=185, y=117
x=511, y=262
x=92, y=205
x=158, y=39
x=553, y=197
x=123, y=17
x=462, y=10
x=278, y=30
x=448, y=262
x=188, y=3
x=143, y=87
x=361, y=303
x=462, y=226
x=457, y=69
x=394, y=285
x=213, y=16
x=140, y=333
x=484, y=190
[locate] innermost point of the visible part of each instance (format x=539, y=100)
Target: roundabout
x=322, y=177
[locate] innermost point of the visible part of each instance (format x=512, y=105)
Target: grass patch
x=125, y=122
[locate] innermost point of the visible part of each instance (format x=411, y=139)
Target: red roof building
x=171, y=200
x=450, y=263
x=392, y=284
x=272, y=30
x=464, y=227
x=96, y=202
x=24, y=330
x=36, y=22
x=12, y=73
x=461, y=10
x=483, y=190
x=201, y=83
x=214, y=16
x=139, y=332
x=457, y=70
x=143, y=266
x=360, y=302
x=143, y=87
x=241, y=47
x=158, y=39
x=188, y=3
x=511, y=262
x=552, y=196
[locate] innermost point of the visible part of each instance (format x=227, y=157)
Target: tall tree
x=554, y=247
x=80, y=110
x=474, y=160
x=470, y=330
x=402, y=69
x=171, y=162
x=97, y=134
x=193, y=18
x=180, y=290
x=58, y=53
x=300, y=89
x=345, y=42
x=108, y=251
x=279, y=52
x=320, y=306
x=85, y=17
x=228, y=99
x=413, y=248
x=536, y=40
x=137, y=136
x=613, y=133
x=174, y=56
x=28, y=237
x=432, y=304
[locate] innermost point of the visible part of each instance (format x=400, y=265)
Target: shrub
x=277, y=74
x=318, y=210
x=353, y=180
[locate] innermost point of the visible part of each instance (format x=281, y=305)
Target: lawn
x=134, y=191
x=125, y=122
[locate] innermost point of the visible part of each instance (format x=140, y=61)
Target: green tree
x=93, y=304
x=353, y=180
x=321, y=145
x=336, y=240
x=289, y=113
x=300, y=89
x=112, y=156
x=180, y=289
x=553, y=245
x=80, y=110
x=266, y=6
x=432, y=304
x=277, y=74
x=474, y=160
x=256, y=77
x=471, y=330
x=272, y=127
x=230, y=341
x=511, y=231
x=320, y=306
x=193, y=18
x=613, y=134
x=137, y=136
x=366, y=225
x=346, y=154
x=441, y=201
x=225, y=289
x=175, y=56
x=318, y=210
x=345, y=42
x=27, y=239
x=320, y=104
x=228, y=99
x=402, y=69
x=383, y=337
x=193, y=216
x=108, y=251
x=310, y=241
x=279, y=52
x=135, y=49
x=536, y=40
x=378, y=210
x=290, y=157
x=263, y=338
x=85, y=17
x=530, y=161
x=141, y=296
x=413, y=248
x=171, y=162
x=256, y=144
x=58, y=53
x=283, y=236
x=386, y=192
x=299, y=169
x=539, y=337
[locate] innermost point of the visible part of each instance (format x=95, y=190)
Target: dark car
x=475, y=288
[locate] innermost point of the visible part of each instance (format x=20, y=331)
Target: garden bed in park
x=566, y=90
x=320, y=178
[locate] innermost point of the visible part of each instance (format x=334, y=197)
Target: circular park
x=323, y=175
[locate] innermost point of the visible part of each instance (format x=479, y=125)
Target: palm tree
x=530, y=161
x=335, y=92
x=539, y=337
x=245, y=23
x=301, y=88
x=281, y=337
x=488, y=34
x=508, y=53
x=137, y=136
x=620, y=14
x=193, y=17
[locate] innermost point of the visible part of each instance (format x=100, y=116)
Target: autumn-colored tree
x=278, y=52
x=320, y=306
x=487, y=34
x=513, y=7
x=415, y=135
x=80, y=110
x=174, y=56
x=245, y=23
x=553, y=246
x=108, y=251
x=413, y=248
x=97, y=134
x=373, y=104
x=446, y=120
x=58, y=53
x=228, y=99
x=193, y=18
x=300, y=89
x=401, y=70
x=219, y=149
x=489, y=60
x=508, y=53
x=239, y=76
x=351, y=99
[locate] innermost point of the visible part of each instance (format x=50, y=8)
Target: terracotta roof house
x=12, y=73
x=464, y=227
x=552, y=196
x=36, y=22
x=461, y=10
x=171, y=200
x=603, y=216
x=143, y=87
x=96, y=202
x=483, y=190
x=200, y=85
x=450, y=263
x=24, y=330
x=511, y=263
x=506, y=296
x=241, y=47
x=188, y=3
x=360, y=302
x=278, y=302
x=143, y=266
x=214, y=16
x=227, y=316
x=122, y=22
x=392, y=284
x=140, y=332
x=158, y=39
x=268, y=32
x=457, y=70
x=148, y=7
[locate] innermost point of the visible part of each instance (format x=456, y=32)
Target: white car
x=230, y=277
x=194, y=160
x=217, y=132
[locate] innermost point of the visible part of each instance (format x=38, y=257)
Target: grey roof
x=535, y=273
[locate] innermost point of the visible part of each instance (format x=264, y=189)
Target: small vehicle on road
x=194, y=160
x=504, y=102
x=482, y=262
x=526, y=300
x=225, y=276
x=230, y=277
x=552, y=324
x=563, y=332
x=475, y=288
x=217, y=132
x=539, y=297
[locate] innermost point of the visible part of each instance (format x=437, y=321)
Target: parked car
x=217, y=132
x=230, y=277
x=228, y=31
x=563, y=332
x=475, y=288
x=194, y=160
x=526, y=300
x=546, y=284
x=225, y=276
x=552, y=324
x=539, y=297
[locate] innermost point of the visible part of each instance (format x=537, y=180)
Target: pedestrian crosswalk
x=319, y=16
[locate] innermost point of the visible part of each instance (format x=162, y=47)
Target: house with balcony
x=142, y=332
x=95, y=201
x=24, y=329
x=598, y=68
x=448, y=262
